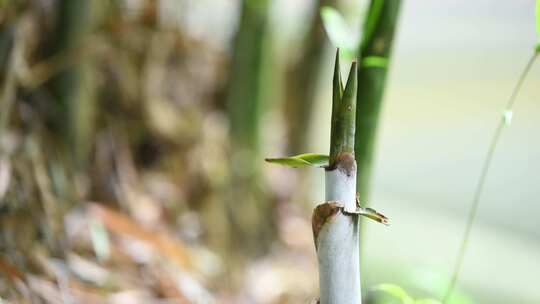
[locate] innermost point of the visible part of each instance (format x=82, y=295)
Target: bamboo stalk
x=335, y=227
x=335, y=222
x=73, y=116
x=247, y=209
x=375, y=51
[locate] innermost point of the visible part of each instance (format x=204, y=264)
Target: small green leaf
x=374, y=215
x=302, y=160
x=338, y=31
x=396, y=292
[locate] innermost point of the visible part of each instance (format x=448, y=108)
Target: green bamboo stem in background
x=247, y=209
x=7, y=77
x=302, y=82
x=375, y=50
x=73, y=111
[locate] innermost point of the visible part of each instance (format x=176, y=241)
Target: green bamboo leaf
x=374, y=215
x=396, y=292
x=302, y=160
x=338, y=31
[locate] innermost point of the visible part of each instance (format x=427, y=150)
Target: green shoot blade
x=343, y=113
x=302, y=160
x=348, y=110
x=337, y=94
x=337, y=81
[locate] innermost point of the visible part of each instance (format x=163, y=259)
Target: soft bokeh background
x=153, y=189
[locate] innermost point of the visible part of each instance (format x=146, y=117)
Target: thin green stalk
x=482, y=180
x=375, y=51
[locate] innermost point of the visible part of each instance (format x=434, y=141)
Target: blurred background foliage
x=133, y=133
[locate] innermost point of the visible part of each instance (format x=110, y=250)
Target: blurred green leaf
x=339, y=32
x=538, y=20
x=400, y=294
x=427, y=301
x=396, y=292
x=302, y=160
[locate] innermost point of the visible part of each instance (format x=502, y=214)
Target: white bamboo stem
x=336, y=238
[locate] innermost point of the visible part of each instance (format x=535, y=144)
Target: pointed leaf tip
x=349, y=94
x=348, y=110
x=337, y=81
x=337, y=94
